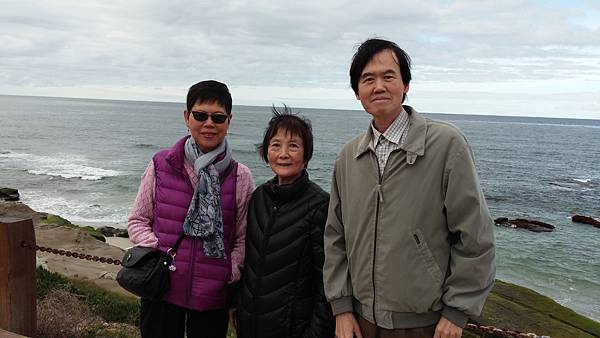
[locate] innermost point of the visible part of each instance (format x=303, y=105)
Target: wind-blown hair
x=285, y=119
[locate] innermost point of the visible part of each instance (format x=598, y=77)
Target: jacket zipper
x=192, y=265
x=379, y=198
x=259, y=272
x=193, y=253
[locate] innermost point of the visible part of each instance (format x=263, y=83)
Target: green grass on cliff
x=110, y=306
x=514, y=307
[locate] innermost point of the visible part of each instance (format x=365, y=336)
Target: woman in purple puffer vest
x=194, y=188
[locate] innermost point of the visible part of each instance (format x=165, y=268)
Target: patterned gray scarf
x=204, y=218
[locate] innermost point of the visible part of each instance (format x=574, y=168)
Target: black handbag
x=145, y=271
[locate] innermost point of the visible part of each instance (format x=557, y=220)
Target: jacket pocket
x=426, y=256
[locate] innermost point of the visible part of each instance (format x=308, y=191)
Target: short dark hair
x=365, y=53
x=284, y=118
x=209, y=91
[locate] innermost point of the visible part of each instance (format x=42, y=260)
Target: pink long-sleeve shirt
x=141, y=218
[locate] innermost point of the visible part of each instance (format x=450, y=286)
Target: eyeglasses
x=202, y=116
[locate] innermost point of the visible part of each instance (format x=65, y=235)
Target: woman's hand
x=232, y=321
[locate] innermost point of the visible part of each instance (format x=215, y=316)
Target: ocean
x=82, y=159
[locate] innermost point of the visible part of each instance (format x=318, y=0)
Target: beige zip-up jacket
x=417, y=242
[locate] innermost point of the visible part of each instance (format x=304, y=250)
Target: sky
x=509, y=57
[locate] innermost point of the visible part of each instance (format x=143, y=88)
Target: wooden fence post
x=17, y=276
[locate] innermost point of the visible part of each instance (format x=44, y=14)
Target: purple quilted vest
x=199, y=282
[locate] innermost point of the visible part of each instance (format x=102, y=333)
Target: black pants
x=165, y=320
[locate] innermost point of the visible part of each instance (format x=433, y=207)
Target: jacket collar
x=414, y=145
x=176, y=155
x=288, y=192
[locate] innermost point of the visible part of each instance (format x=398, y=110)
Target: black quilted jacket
x=281, y=293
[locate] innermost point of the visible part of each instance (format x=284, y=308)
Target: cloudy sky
x=531, y=58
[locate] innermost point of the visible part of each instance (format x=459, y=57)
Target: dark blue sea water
x=82, y=159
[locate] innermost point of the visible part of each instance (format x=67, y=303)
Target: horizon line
x=321, y=108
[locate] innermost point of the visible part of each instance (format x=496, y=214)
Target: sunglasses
x=201, y=116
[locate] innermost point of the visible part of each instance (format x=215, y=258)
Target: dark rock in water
x=538, y=223
x=586, y=220
x=106, y=231
x=9, y=194
x=531, y=225
x=123, y=233
x=113, y=232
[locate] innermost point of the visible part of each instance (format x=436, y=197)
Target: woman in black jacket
x=281, y=293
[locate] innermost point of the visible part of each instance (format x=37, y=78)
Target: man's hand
x=232, y=320
x=447, y=329
x=346, y=326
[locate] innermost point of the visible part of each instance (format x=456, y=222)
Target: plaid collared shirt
x=391, y=139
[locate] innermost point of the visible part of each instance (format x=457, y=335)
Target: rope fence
x=72, y=254
x=494, y=332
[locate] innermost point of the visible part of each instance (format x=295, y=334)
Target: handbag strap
x=177, y=243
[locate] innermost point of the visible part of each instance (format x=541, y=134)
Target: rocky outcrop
x=586, y=220
x=113, y=232
x=61, y=222
x=531, y=225
x=19, y=210
x=9, y=194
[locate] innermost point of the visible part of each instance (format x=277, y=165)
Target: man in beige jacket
x=409, y=242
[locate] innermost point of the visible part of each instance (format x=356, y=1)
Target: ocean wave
x=576, y=183
x=495, y=198
x=583, y=180
x=64, y=165
x=244, y=151
x=146, y=145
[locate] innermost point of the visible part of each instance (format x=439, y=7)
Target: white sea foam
x=583, y=180
x=75, y=210
x=62, y=165
x=581, y=184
